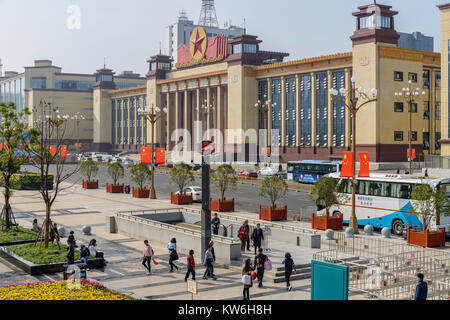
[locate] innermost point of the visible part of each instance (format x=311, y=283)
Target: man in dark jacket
x=257, y=237
x=243, y=233
x=259, y=265
x=421, y=289
x=216, y=224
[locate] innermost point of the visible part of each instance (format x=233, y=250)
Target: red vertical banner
x=146, y=155
x=409, y=155
x=364, y=171
x=4, y=145
x=160, y=157
x=52, y=150
x=347, y=165
x=63, y=151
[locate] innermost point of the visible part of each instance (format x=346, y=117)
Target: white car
x=267, y=172
x=196, y=193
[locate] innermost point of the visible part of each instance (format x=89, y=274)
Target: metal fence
x=437, y=162
x=386, y=269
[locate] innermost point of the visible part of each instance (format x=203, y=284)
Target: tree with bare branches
x=49, y=151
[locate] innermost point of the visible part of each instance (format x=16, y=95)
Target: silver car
x=196, y=193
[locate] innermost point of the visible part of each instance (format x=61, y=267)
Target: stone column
x=313, y=110
x=122, y=120
x=330, y=110
x=269, y=112
x=116, y=125
x=136, y=119
x=168, y=127
x=186, y=119
x=199, y=119
x=129, y=122
x=297, y=111
x=220, y=117
x=348, y=129
x=283, y=111
x=208, y=110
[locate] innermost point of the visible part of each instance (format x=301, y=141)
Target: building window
x=438, y=111
x=438, y=137
x=366, y=22
x=398, y=76
x=250, y=48
x=385, y=22
x=426, y=110
x=426, y=79
x=414, y=136
x=237, y=48
x=107, y=78
x=38, y=83
x=398, y=136
x=398, y=107
x=426, y=141
x=164, y=66
x=412, y=77
x=438, y=79
x=414, y=108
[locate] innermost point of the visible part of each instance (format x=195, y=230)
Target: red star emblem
x=198, y=43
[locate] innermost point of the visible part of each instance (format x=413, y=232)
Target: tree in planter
x=53, y=130
x=140, y=174
x=14, y=136
x=89, y=169
x=273, y=189
x=224, y=178
x=323, y=193
x=116, y=172
x=428, y=204
x=181, y=176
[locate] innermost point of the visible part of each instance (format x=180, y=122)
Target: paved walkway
x=75, y=208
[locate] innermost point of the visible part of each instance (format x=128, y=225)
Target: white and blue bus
x=385, y=201
x=311, y=171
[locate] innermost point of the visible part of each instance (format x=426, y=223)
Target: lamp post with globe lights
x=359, y=97
x=152, y=115
x=207, y=109
x=78, y=118
x=264, y=107
x=410, y=96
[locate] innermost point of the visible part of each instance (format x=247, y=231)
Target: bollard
x=368, y=230
x=329, y=234
x=349, y=232
x=86, y=230
x=386, y=233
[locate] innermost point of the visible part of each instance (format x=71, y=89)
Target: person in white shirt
x=36, y=227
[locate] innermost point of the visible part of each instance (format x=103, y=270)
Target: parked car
x=196, y=193
x=268, y=172
x=195, y=167
x=116, y=160
x=248, y=174
x=127, y=162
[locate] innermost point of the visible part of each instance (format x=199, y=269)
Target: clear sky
x=128, y=32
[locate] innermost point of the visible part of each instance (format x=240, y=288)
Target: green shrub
x=31, y=252
x=29, y=181
x=17, y=234
x=89, y=169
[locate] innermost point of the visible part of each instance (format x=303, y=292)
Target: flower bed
x=110, y=188
x=427, y=238
x=90, y=185
x=273, y=214
x=179, y=199
x=88, y=291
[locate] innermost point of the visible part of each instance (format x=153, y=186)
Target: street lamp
x=78, y=118
x=355, y=96
x=411, y=96
x=207, y=109
x=265, y=107
x=152, y=114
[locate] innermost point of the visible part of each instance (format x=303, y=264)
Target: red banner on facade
x=347, y=165
x=52, y=150
x=160, y=157
x=78, y=145
x=62, y=151
x=364, y=171
x=146, y=155
x=408, y=153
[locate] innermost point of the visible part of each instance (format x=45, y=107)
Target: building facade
x=416, y=41
x=303, y=122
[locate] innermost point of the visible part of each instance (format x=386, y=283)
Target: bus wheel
x=337, y=214
x=397, y=227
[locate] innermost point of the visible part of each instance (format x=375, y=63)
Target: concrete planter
x=222, y=206
x=110, y=188
x=180, y=199
x=327, y=222
x=38, y=269
x=90, y=185
x=427, y=238
x=273, y=214
x=141, y=193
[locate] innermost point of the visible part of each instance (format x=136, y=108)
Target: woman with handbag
x=247, y=280
x=173, y=255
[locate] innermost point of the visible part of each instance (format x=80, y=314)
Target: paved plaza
x=76, y=208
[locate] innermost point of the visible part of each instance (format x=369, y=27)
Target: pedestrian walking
x=70, y=252
x=243, y=233
x=216, y=224
x=190, y=266
x=421, y=289
x=71, y=238
x=148, y=256
x=208, y=263
x=173, y=255
x=84, y=254
x=247, y=279
x=289, y=268
x=260, y=260
x=54, y=233
x=211, y=244
x=257, y=237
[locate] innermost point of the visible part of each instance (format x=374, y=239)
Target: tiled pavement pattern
x=75, y=208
